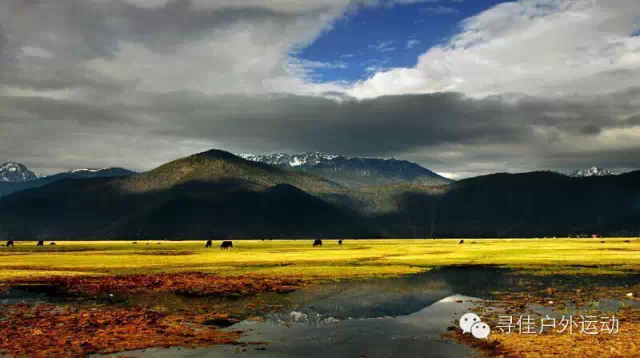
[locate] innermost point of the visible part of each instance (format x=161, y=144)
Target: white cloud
x=383, y=46
x=534, y=47
x=145, y=4
x=36, y=52
x=440, y=10
x=413, y=43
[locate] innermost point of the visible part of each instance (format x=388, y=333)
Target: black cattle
x=317, y=242
x=340, y=242
x=10, y=243
x=52, y=243
x=226, y=245
x=40, y=243
x=209, y=244
x=461, y=242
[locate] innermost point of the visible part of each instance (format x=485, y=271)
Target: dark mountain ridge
x=210, y=193
x=216, y=194
x=7, y=188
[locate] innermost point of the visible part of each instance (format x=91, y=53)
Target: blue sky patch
x=379, y=38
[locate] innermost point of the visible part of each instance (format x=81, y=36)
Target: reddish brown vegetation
x=197, y=284
x=47, y=331
x=52, y=331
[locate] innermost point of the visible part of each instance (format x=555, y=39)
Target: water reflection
x=413, y=335
x=375, y=317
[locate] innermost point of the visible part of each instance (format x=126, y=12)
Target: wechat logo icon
x=471, y=323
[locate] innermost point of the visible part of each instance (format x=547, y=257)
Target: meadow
x=173, y=288
x=355, y=258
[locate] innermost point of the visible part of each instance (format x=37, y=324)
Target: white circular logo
x=480, y=330
x=467, y=321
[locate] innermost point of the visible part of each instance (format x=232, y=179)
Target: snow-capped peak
x=87, y=170
x=16, y=172
x=296, y=162
x=591, y=172
x=292, y=160
x=351, y=170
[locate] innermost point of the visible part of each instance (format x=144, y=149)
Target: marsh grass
x=356, y=258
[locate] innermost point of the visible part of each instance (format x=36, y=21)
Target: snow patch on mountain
x=16, y=172
x=87, y=170
x=591, y=172
x=294, y=160
x=352, y=170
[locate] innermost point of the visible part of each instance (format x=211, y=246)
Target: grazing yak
x=40, y=243
x=226, y=245
x=52, y=243
x=10, y=243
x=317, y=242
x=340, y=242
x=461, y=242
x=208, y=244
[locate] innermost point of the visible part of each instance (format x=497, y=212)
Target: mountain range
x=591, y=172
x=17, y=177
x=353, y=171
x=216, y=194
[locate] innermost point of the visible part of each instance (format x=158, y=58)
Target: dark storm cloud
x=616, y=158
x=527, y=133
x=371, y=127
x=386, y=125
x=78, y=112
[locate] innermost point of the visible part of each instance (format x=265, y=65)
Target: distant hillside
x=217, y=194
x=209, y=194
x=217, y=165
x=530, y=205
x=353, y=171
x=7, y=188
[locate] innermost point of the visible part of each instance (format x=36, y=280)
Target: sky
x=463, y=87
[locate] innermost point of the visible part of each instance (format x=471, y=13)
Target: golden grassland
x=355, y=258
x=78, y=261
